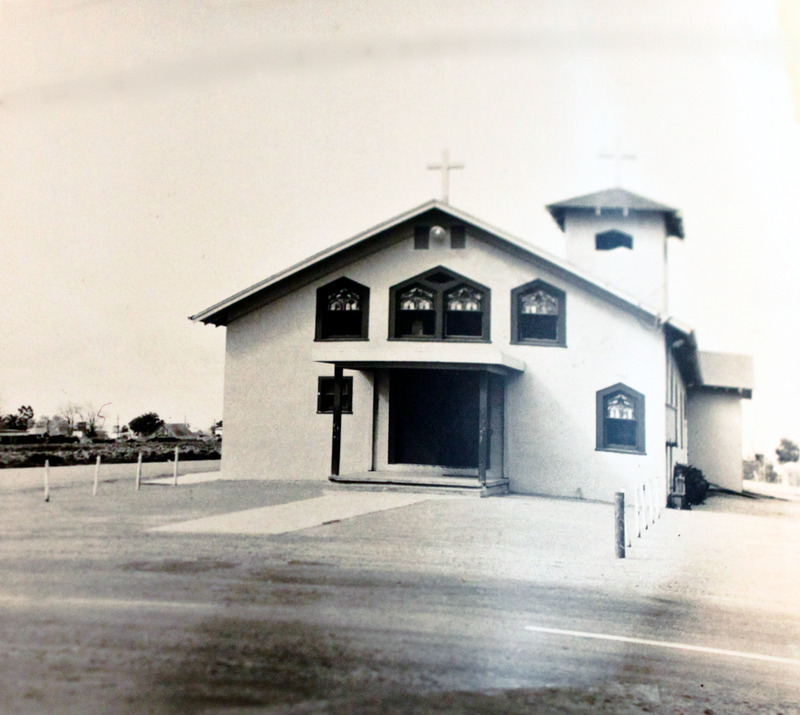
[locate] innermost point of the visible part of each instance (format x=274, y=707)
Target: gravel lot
x=102, y=615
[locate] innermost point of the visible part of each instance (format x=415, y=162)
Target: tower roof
x=621, y=200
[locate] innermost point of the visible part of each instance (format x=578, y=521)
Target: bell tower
x=620, y=239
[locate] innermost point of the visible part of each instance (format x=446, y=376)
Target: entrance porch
x=434, y=425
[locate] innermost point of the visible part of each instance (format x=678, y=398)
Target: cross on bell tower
x=617, y=156
x=445, y=167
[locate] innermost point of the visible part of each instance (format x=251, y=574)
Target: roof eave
x=683, y=345
x=673, y=222
x=221, y=313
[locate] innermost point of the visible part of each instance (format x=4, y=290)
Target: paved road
x=423, y=608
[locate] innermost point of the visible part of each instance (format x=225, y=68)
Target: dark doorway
x=434, y=417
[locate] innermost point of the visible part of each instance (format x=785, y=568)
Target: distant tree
x=145, y=424
x=71, y=411
x=91, y=417
x=20, y=421
x=787, y=451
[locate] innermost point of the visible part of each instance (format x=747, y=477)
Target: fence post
x=47, y=480
x=96, y=476
x=175, y=469
x=139, y=472
x=619, y=523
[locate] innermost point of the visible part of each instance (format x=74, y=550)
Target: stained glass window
x=440, y=305
x=538, y=314
x=416, y=298
x=342, y=308
x=539, y=302
x=344, y=299
x=620, y=419
x=464, y=299
x=620, y=407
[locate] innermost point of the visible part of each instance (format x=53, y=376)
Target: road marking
x=665, y=644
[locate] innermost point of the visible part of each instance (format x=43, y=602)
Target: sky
x=157, y=157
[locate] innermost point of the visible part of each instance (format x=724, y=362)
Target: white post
x=653, y=506
x=175, y=469
x=637, y=505
x=139, y=472
x=96, y=476
x=47, y=480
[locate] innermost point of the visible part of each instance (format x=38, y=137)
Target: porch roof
x=453, y=356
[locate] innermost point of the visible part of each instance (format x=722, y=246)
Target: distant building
x=174, y=431
x=436, y=349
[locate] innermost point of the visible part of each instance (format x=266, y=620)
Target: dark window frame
x=422, y=238
x=516, y=311
x=325, y=392
x=432, y=282
x=323, y=294
x=604, y=442
x=458, y=237
x=611, y=239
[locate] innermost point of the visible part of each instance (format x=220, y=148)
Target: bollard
x=619, y=523
x=139, y=473
x=175, y=470
x=47, y=480
x=96, y=476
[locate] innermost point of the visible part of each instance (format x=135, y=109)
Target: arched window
x=439, y=305
x=620, y=419
x=609, y=240
x=538, y=314
x=342, y=311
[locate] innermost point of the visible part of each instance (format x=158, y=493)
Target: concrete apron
x=294, y=516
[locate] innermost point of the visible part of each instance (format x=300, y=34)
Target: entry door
x=434, y=418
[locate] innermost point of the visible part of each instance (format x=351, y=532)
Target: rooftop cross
x=445, y=167
x=617, y=157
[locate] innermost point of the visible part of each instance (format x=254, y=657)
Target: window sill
x=541, y=343
x=621, y=450
x=341, y=340
x=426, y=339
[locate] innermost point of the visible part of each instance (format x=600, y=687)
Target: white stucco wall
x=640, y=271
x=272, y=430
x=715, y=437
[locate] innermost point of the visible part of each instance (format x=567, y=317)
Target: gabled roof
x=620, y=200
x=339, y=255
x=174, y=430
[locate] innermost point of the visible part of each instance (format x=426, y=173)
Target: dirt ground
x=418, y=610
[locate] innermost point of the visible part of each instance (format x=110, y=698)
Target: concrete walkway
x=298, y=515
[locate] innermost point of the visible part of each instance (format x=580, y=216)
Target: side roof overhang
x=727, y=373
x=374, y=239
x=620, y=201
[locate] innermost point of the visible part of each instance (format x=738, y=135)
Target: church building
x=436, y=350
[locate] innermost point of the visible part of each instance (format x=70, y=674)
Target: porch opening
x=434, y=418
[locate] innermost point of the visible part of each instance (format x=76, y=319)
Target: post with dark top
x=336, y=442
x=47, y=480
x=619, y=522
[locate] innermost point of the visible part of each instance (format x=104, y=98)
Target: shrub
x=696, y=484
